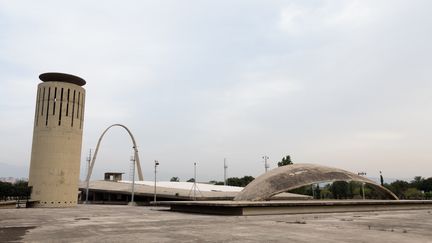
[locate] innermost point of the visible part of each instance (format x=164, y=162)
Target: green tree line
x=418, y=188
x=14, y=191
x=235, y=181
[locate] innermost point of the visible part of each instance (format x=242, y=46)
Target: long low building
x=119, y=192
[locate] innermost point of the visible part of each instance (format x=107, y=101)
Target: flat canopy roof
x=62, y=77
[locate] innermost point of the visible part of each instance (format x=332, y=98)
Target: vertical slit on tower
x=67, y=103
x=73, y=109
x=43, y=101
x=61, y=104
x=55, y=100
x=46, y=115
x=37, y=106
x=79, y=96
x=82, y=110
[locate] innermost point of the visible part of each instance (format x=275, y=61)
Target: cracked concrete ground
x=100, y=223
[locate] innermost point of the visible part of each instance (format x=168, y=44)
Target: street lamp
x=156, y=163
x=89, y=157
x=132, y=203
x=363, y=184
x=225, y=170
x=266, y=166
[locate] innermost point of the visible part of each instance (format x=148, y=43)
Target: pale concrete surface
x=57, y=139
x=294, y=206
x=288, y=177
x=176, y=193
x=203, y=187
x=97, y=223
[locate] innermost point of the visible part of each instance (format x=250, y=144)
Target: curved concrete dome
x=290, y=177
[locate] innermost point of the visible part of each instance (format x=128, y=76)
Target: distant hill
x=11, y=179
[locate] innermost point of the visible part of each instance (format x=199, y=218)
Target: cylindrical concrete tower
x=57, y=139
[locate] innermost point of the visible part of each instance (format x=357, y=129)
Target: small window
x=61, y=104
x=43, y=101
x=67, y=104
x=78, y=105
x=73, y=109
x=46, y=115
x=82, y=110
x=55, y=100
x=37, y=106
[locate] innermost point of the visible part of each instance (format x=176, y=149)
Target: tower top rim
x=62, y=77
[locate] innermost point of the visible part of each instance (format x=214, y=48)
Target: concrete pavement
x=107, y=223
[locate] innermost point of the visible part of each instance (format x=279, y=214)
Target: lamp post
x=89, y=157
x=194, y=185
x=266, y=166
x=132, y=203
x=225, y=170
x=363, y=184
x=156, y=163
x=313, y=191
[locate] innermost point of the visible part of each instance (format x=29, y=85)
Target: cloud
x=299, y=19
x=254, y=92
x=324, y=81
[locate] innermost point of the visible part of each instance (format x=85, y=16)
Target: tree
x=398, y=187
x=17, y=190
x=304, y=190
x=191, y=180
x=6, y=190
x=247, y=179
x=214, y=182
x=325, y=192
x=413, y=193
x=175, y=179
x=241, y=182
x=340, y=190
x=417, y=182
x=285, y=161
x=233, y=181
x=427, y=185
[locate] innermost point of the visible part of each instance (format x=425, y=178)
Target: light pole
x=313, y=191
x=87, y=181
x=194, y=185
x=194, y=181
x=363, y=184
x=156, y=163
x=225, y=170
x=266, y=166
x=132, y=203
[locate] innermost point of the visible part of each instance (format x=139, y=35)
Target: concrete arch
x=290, y=177
x=140, y=175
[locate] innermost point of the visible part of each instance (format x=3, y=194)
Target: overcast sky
x=338, y=83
